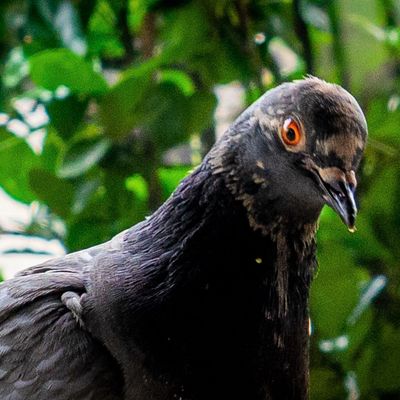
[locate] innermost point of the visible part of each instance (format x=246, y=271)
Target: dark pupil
x=291, y=135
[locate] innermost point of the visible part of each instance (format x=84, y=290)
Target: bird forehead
x=315, y=101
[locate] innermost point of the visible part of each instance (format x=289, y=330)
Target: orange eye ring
x=291, y=132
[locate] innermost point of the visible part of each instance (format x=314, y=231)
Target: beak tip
x=352, y=228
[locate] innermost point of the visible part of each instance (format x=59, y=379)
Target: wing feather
x=44, y=352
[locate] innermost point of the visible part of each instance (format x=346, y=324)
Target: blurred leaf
x=181, y=42
x=52, y=191
x=381, y=202
x=138, y=185
x=315, y=16
x=383, y=123
x=103, y=36
x=365, y=368
x=82, y=156
x=170, y=178
x=200, y=114
x=53, y=68
x=387, y=359
x=390, y=36
x=14, y=176
x=369, y=293
x=16, y=68
x=63, y=18
x=359, y=335
x=67, y=23
x=163, y=100
x=335, y=291
x=118, y=107
x=81, y=234
x=365, y=70
x=180, y=79
x=83, y=194
x=86, y=9
x=53, y=149
x=155, y=111
x=66, y=114
x=321, y=380
x=137, y=12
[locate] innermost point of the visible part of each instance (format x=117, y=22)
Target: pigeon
x=208, y=298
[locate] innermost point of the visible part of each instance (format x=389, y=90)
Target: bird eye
x=291, y=133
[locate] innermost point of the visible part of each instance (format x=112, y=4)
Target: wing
x=45, y=351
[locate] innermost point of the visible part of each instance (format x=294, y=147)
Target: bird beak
x=339, y=193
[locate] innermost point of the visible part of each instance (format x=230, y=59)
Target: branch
x=125, y=36
x=338, y=48
x=301, y=30
x=148, y=35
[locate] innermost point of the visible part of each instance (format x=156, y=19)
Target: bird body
x=208, y=298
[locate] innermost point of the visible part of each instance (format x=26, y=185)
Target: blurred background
x=106, y=104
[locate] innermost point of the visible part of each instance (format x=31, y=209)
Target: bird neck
x=203, y=221
x=211, y=287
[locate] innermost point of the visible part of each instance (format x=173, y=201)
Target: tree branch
x=301, y=30
x=338, y=48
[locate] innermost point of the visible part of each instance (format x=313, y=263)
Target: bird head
x=294, y=150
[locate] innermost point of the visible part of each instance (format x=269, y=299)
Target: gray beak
x=339, y=193
x=338, y=190
x=340, y=196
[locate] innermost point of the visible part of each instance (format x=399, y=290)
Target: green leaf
x=68, y=26
x=336, y=289
x=53, y=68
x=170, y=178
x=138, y=185
x=82, y=156
x=365, y=368
x=103, y=35
x=381, y=203
x=81, y=234
x=53, y=191
x=370, y=292
x=53, y=149
x=16, y=68
x=390, y=36
x=201, y=111
x=383, y=123
x=387, y=360
x=190, y=115
x=84, y=193
x=187, y=32
x=358, y=335
x=16, y=160
x=180, y=78
x=62, y=18
x=118, y=108
x=163, y=101
x=137, y=12
x=66, y=115
x=325, y=384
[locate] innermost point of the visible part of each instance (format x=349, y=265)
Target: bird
x=208, y=298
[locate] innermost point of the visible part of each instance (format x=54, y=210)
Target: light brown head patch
x=345, y=147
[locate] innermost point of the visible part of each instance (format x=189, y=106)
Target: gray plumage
x=208, y=298
x=45, y=350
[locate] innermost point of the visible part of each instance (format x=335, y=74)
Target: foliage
x=123, y=82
